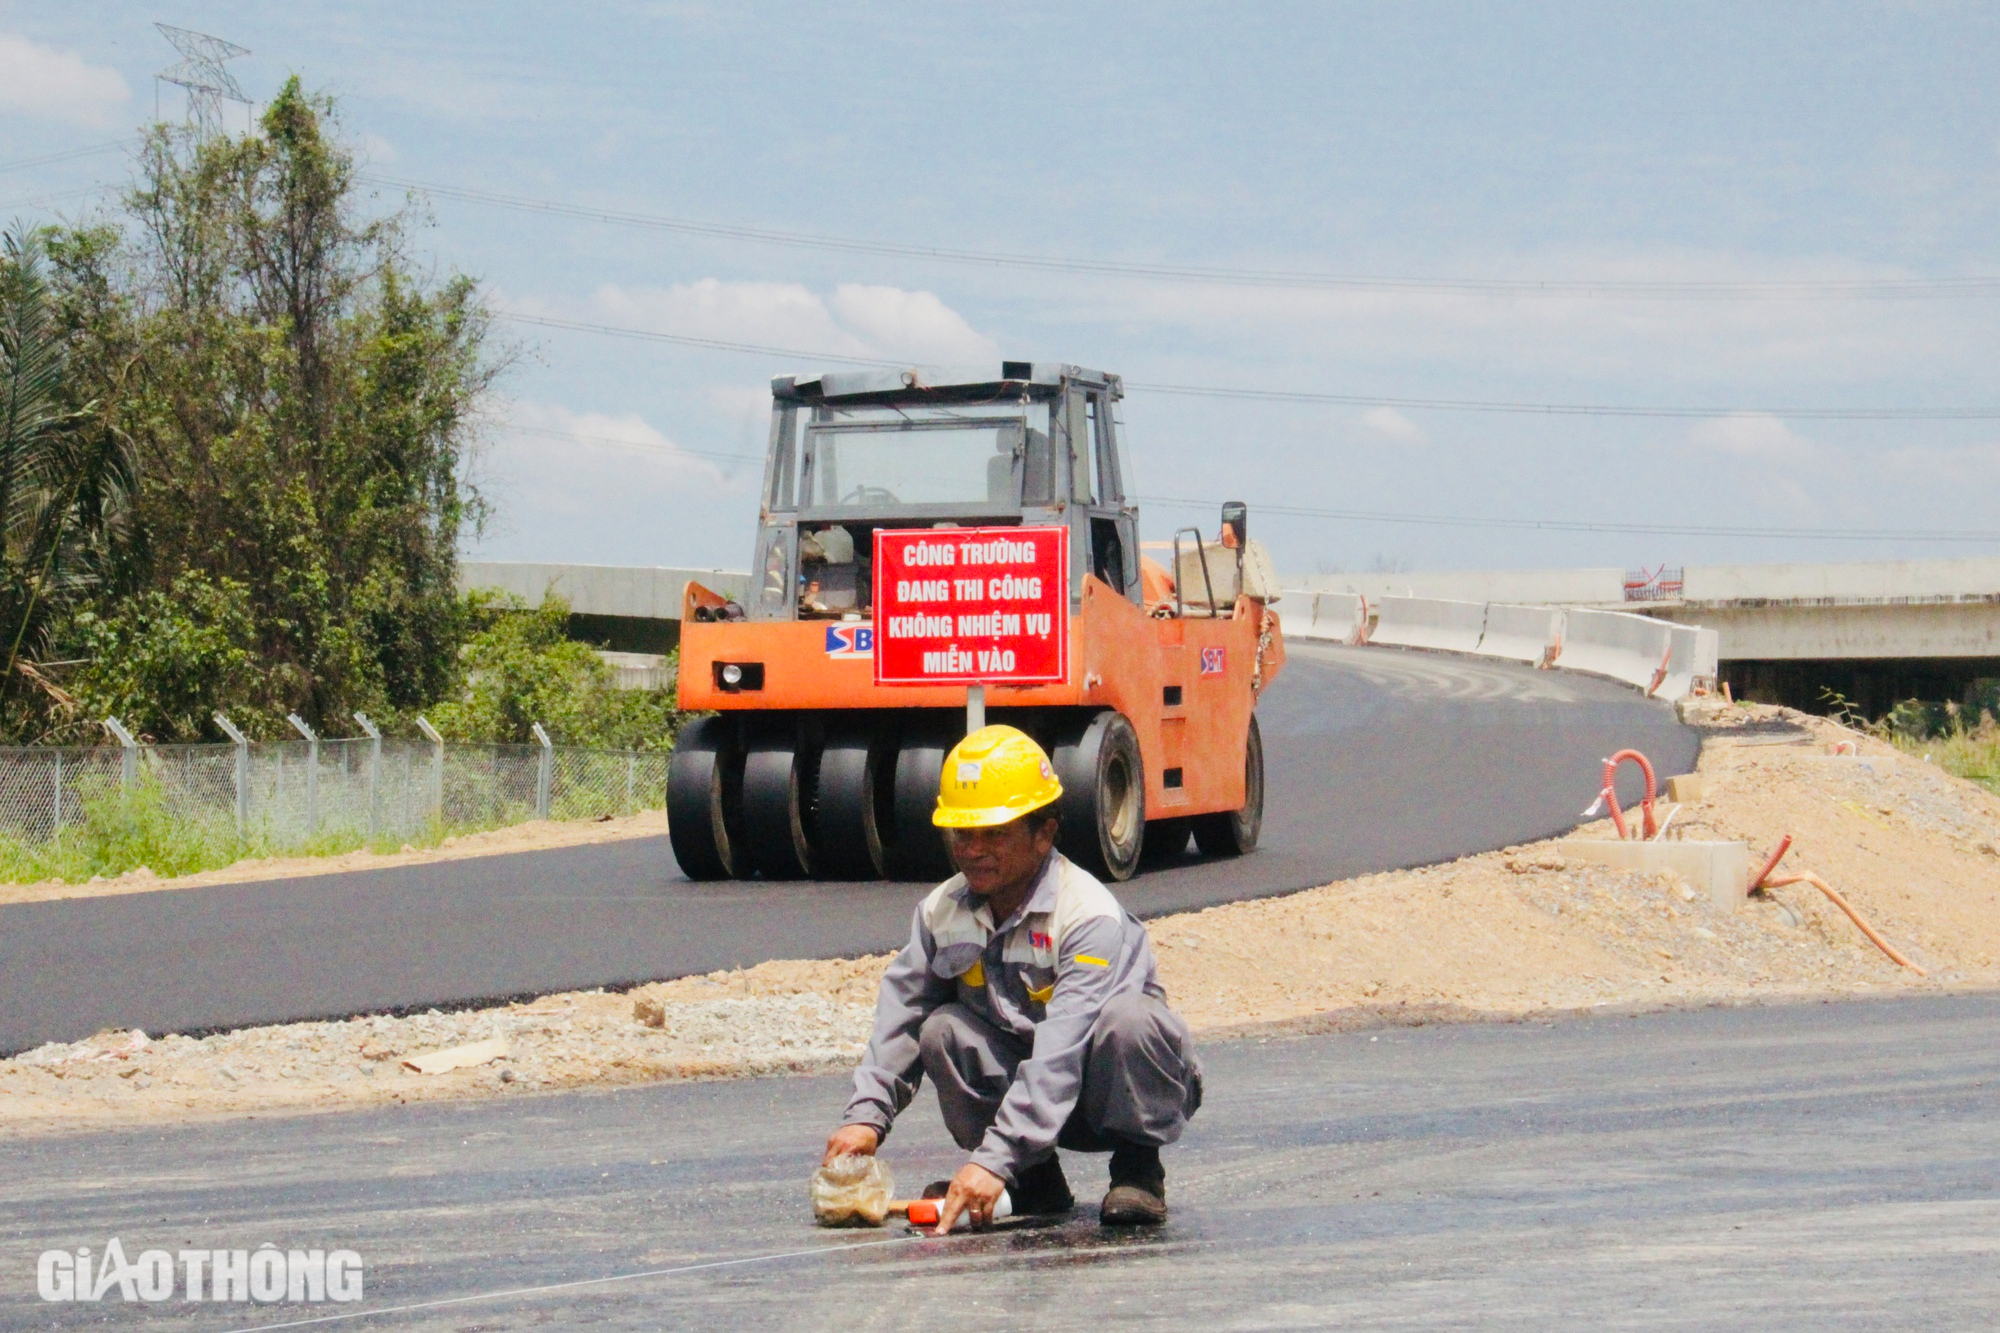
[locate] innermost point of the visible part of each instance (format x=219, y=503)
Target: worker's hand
x=852, y=1141
x=974, y=1191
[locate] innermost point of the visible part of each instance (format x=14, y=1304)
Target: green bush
x=164, y=662
x=521, y=669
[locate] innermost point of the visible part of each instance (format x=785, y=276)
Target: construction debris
x=459, y=1057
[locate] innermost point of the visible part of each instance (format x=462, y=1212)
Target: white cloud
x=58, y=85
x=889, y=323
x=1390, y=424
x=1752, y=435
x=625, y=494
x=918, y=322
x=1612, y=345
x=561, y=442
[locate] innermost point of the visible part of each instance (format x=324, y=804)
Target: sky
x=1703, y=184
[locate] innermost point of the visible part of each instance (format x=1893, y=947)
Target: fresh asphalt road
x=1811, y=1167
x=1376, y=758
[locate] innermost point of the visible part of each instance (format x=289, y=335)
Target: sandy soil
x=535, y=835
x=1500, y=936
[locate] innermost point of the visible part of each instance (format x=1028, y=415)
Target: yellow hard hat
x=993, y=776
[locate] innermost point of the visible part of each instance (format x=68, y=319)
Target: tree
x=65, y=484
x=301, y=401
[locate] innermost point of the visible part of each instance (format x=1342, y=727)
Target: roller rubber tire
x=778, y=773
x=1103, y=804
x=1234, y=832
x=915, y=849
x=851, y=810
x=705, y=800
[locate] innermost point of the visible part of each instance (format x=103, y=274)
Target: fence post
x=374, y=770
x=631, y=776
x=242, y=744
x=312, y=772
x=542, y=772
x=58, y=828
x=128, y=763
x=437, y=767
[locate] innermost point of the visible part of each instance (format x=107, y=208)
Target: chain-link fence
x=285, y=794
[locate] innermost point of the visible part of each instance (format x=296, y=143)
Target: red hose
x=1763, y=880
x=1650, y=825
x=1771, y=863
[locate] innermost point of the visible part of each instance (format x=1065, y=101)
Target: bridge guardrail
x=1429, y=622
x=1666, y=660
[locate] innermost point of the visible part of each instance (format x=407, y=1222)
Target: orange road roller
x=805, y=766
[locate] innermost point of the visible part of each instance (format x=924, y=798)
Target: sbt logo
x=850, y=641
x=265, y=1274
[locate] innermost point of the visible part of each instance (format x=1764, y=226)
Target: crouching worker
x=1029, y=997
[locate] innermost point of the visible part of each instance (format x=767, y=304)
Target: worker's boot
x=1042, y=1189
x=1138, y=1196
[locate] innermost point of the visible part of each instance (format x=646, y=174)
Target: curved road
x=1376, y=758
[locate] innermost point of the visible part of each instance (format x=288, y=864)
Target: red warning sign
x=971, y=606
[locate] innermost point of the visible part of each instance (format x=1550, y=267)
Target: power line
x=1574, y=525
x=683, y=340
x=73, y=153
x=1976, y=287
x=640, y=445
x=1331, y=399
x=41, y=200
x=1578, y=409
x=1427, y=520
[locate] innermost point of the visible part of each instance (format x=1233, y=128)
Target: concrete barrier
x=1635, y=649
x=1691, y=660
x=1339, y=616
x=1520, y=633
x=1424, y=622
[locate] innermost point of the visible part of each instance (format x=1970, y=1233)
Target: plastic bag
x=853, y=1191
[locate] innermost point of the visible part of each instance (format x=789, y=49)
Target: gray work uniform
x=1048, y=1027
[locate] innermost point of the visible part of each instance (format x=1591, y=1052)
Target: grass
x=121, y=831
x=1972, y=754
x=1961, y=738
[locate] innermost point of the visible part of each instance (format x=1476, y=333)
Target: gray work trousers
x=1141, y=1080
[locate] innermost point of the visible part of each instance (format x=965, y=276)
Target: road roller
x=803, y=766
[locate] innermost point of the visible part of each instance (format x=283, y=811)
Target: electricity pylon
x=202, y=74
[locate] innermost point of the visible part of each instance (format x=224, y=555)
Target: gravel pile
x=573, y=1040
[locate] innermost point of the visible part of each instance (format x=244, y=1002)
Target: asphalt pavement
x=1376, y=758
x=1820, y=1166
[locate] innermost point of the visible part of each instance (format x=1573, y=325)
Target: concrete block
x=1521, y=633
x=1424, y=622
x=1719, y=869
x=1625, y=647
x=1339, y=616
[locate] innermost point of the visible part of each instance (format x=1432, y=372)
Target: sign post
x=972, y=607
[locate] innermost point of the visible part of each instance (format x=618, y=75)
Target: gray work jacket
x=1044, y=975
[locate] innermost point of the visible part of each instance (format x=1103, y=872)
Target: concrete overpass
x=629, y=609
x=1875, y=631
